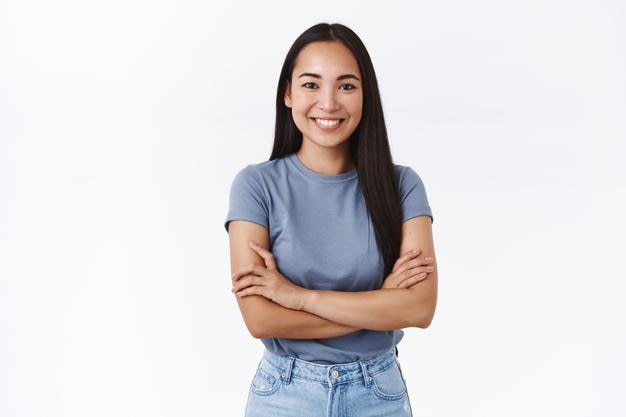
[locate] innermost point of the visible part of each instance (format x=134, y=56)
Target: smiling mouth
x=327, y=124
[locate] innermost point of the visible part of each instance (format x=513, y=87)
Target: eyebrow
x=341, y=77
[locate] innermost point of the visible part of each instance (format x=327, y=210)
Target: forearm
x=275, y=320
x=383, y=309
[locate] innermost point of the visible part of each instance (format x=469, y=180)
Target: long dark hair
x=369, y=145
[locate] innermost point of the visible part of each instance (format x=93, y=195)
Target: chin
x=327, y=143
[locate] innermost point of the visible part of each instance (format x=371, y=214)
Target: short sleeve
x=413, y=198
x=247, y=199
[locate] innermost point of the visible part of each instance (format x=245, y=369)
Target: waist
x=357, y=346
x=332, y=374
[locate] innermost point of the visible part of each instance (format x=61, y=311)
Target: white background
x=122, y=124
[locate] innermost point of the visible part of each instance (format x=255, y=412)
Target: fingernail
x=428, y=258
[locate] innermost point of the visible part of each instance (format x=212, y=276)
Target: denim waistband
x=334, y=374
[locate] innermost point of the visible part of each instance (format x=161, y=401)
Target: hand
x=268, y=282
x=408, y=271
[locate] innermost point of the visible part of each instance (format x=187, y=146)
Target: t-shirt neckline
x=293, y=158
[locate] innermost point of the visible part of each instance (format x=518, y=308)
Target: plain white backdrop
x=122, y=124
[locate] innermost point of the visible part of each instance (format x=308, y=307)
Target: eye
x=352, y=87
x=308, y=83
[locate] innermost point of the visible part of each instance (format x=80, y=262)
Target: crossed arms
x=328, y=314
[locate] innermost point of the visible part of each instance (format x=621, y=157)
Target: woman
x=315, y=236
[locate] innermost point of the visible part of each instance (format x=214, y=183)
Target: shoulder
x=261, y=172
x=407, y=177
x=259, y=180
x=250, y=192
x=413, y=196
x=252, y=179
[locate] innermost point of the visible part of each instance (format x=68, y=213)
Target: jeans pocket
x=389, y=384
x=266, y=380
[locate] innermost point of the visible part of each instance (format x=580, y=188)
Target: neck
x=327, y=161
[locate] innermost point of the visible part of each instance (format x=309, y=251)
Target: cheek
x=302, y=102
x=299, y=113
x=299, y=108
x=355, y=114
x=355, y=108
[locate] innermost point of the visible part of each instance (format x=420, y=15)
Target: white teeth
x=325, y=122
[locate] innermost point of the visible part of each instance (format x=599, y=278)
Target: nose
x=328, y=100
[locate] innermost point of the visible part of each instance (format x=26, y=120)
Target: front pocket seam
x=261, y=373
x=379, y=393
x=385, y=396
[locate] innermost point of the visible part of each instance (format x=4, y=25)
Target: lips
x=327, y=124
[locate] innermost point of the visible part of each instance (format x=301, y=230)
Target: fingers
x=417, y=269
x=267, y=256
x=407, y=256
x=249, y=291
x=412, y=280
x=410, y=270
x=248, y=269
x=408, y=259
x=414, y=263
x=246, y=282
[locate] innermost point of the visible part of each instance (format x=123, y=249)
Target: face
x=325, y=93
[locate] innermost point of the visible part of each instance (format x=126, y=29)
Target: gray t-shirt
x=322, y=238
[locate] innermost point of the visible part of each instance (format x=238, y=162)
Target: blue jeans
x=285, y=386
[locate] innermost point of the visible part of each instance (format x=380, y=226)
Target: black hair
x=368, y=144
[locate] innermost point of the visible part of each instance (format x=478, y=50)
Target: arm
x=385, y=309
x=263, y=317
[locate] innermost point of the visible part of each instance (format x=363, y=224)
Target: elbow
x=421, y=323
x=424, y=318
x=256, y=327
x=257, y=330
x=254, y=319
x=257, y=334
x=427, y=319
x=423, y=310
x=425, y=323
x=254, y=332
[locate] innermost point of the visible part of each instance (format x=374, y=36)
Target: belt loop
x=366, y=377
x=286, y=374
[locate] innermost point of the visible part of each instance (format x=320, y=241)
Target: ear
x=287, y=96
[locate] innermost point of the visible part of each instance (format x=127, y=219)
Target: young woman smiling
x=331, y=245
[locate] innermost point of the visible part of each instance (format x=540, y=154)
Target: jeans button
x=334, y=374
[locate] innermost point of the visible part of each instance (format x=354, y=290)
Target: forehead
x=326, y=58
